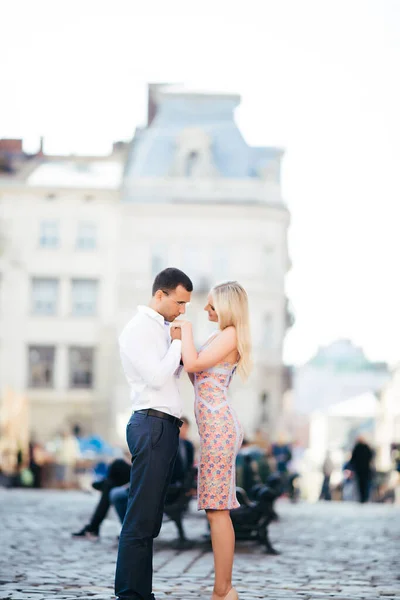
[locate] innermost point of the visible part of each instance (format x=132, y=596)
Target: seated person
x=115, y=487
x=251, y=466
x=183, y=466
x=118, y=474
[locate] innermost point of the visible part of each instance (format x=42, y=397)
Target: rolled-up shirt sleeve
x=137, y=348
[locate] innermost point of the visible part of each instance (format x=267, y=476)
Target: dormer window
x=191, y=162
x=193, y=156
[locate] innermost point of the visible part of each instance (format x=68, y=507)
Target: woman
x=221, y=435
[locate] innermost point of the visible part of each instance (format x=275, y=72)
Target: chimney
x=152, y=89
x=11, y=146
x=41, y=152
x=151, y=104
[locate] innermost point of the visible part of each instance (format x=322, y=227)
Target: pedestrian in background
x=360, y=461
x=282, y=453
x=118, y=475
x=66, y=452
x=327, y=470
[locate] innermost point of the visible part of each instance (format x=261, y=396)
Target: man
x=118, y=474
x=327, y=470
x=67, y=453
x=247, y=466
x=361, y=464
x=150, y=360
x=282, y=453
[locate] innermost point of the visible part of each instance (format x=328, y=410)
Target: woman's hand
x=182, y=324
x=177, y=327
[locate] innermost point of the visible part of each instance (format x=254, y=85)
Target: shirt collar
x=152, y=313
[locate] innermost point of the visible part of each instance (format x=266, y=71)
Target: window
x=80, y=367
x=44, y=296
x=86, y=237
x=159, y=258
x=190, y=164
x=41, y=366
x=49, y=234
x=84, y=297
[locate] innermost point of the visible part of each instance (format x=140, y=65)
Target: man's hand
x=181, y=323
x=175, y=332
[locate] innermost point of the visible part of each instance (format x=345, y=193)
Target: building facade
x=388, y=423
x=82, y=240
x=336, y=373
x=57, y=303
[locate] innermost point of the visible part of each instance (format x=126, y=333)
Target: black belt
x=161, y=415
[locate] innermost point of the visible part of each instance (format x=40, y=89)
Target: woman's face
x=212, y=315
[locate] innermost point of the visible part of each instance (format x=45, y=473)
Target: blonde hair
x=232, y=307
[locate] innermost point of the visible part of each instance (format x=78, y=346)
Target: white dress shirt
x=149, y=361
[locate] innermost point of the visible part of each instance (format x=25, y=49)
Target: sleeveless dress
x=221, y=437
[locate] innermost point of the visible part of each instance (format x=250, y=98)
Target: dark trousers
x=363, y=483
x=153, y=443
x=36, y=471
x=118, y=474
x=326, y=488
x=119, y=499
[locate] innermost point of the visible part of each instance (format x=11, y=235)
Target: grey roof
x=154, y=148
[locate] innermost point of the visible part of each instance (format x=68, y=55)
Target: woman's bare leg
x=223, y=544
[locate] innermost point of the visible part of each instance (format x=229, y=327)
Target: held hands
x=175, y=332
x=181, y=323
x=177, y=327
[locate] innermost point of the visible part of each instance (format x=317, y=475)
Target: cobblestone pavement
x=329, y=550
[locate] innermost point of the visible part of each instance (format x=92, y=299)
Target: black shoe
x=98, y=485
x=152, y=597
x=274, y=516
x=86, y=534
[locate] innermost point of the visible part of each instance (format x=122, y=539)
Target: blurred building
x=58, y=238
x=387, y=435
x=338, y=394
x=196, y=196
x=336, y=372
x=337, y=427
x=376, y=416
x=83, y=237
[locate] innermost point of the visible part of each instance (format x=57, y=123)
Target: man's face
x=172, y=303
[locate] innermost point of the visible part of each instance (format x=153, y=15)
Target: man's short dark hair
x=170, y=278
x=186, y=421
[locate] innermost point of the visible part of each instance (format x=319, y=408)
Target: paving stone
x=335, y=551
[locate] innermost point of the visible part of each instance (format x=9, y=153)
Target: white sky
x=318, y=77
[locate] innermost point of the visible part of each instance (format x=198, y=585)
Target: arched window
x=190, y=163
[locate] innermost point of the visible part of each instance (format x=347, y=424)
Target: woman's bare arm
x=220, y=347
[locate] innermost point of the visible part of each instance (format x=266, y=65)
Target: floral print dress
x=221, y=437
